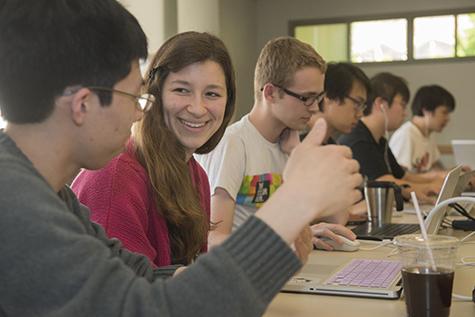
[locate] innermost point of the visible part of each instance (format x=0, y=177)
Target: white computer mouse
x=347, y=244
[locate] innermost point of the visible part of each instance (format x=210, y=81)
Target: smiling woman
x=194, y=102
x=155, y=197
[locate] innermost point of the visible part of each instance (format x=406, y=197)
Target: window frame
x=409, y=16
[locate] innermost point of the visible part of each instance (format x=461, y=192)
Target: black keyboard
x=387, y=231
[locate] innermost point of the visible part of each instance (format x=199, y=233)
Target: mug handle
x=398, y=197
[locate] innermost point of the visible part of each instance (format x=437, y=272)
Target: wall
x=238, y=31
x=202, y=15
x=151, y=16
x=273, y=17
x=233, y=21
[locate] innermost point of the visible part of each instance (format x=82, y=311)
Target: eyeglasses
x=143, y=102
x=307, y=100
x=359, y=105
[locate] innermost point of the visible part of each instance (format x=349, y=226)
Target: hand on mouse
x=331, y=231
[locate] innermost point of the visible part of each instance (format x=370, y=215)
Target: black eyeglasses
x=359, y=105
x=307, y=100
x=143, y=102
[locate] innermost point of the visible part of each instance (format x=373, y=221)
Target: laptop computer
x=360, y=277
x=462, y=184
x=389, y=231
x=339, y=275
x=464, y=152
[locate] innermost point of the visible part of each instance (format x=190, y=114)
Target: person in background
x=245, y=169
x=154, y=197
x=54, y=54
x=414, y=144
x=385, y=112
x=346, y=91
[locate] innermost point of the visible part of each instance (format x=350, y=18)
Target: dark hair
x=430, y=97
x=386, y=86
x=163, y=156
x=48, y=45
x=339, y=80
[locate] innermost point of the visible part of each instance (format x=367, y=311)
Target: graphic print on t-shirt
x=256, y=189
x=422, y=163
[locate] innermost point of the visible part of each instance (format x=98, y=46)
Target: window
x=466, y=34
x=395, y=38
x=2, y=123
x=434, y=37
x=330, y=40
x=379, y=47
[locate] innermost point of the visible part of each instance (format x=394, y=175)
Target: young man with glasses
x=385, y=112
x=55, y=261
x=245, y=169
x=346, y=91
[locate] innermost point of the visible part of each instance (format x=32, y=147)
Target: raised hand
x=324, y=177
x=319, y=181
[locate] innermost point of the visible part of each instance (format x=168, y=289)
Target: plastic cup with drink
x=427, y=273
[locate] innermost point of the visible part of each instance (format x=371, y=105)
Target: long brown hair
x=163, y=156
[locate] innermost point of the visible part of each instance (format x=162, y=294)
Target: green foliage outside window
x=329, y=40
x=466, y=35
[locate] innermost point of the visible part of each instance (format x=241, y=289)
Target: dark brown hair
x=162, y=154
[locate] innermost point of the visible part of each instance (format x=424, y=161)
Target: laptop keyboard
x=386, y=231
x=367, y=273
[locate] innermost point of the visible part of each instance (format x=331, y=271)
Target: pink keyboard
x=367, y=273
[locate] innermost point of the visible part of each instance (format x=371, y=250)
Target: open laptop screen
x=464, y=152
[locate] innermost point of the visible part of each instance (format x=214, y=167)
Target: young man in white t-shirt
x=246, y=167
x=413, y=144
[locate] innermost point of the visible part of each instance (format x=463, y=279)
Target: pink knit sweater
x=120, y=197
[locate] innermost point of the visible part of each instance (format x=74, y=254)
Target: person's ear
x=80, y=105
x=381, y=105
x=323, y=104
x=268, y=91
x=427, y=113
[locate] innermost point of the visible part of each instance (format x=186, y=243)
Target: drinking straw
x=423, y=229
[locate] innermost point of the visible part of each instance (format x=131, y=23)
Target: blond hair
x=280, y=59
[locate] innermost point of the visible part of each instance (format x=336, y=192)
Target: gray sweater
x=55, y=262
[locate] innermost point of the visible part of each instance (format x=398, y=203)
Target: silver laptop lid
x=433, y=222
x=464, y=152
